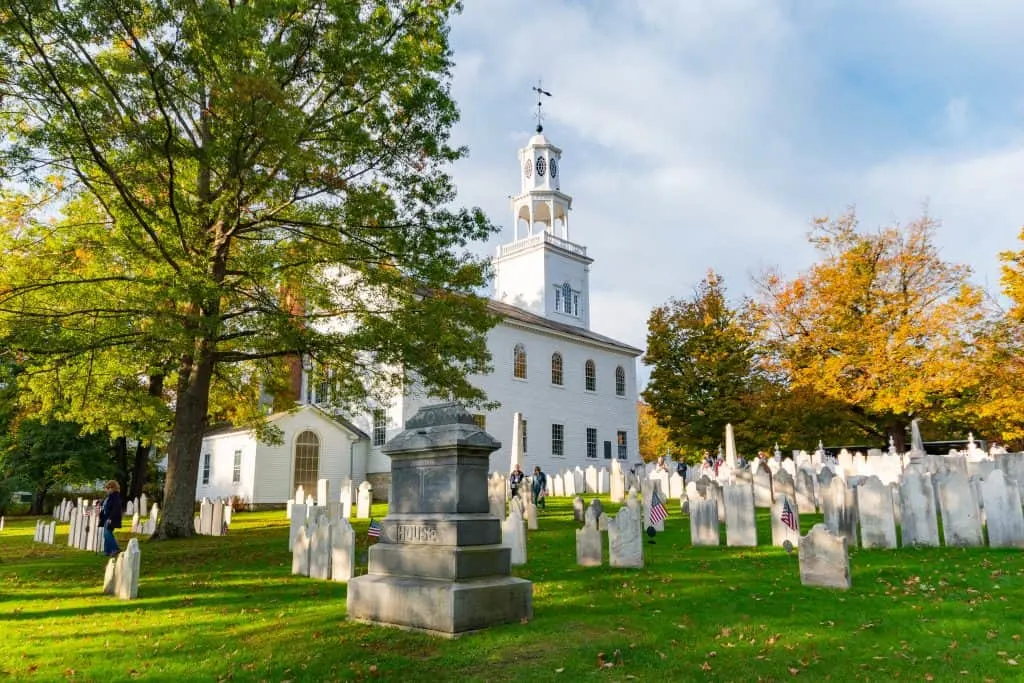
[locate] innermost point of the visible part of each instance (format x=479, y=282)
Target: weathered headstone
x=363, y=502
x=217, y=522
x=806, y=502
x=300, y=552
x=704, y=528
x=513, y=535
x=617, y=483
x=343, y=551
x=439, y=565
x=205, y=517
x=1003, y=511
x=824, y=559
x=588, y=543
x=323, y=491
x=577, y=508
x=320, y=551
x=298, y=521
x=781, y=531
x=763, y=487
x=740, y=525
x=917, y=509
x=625, y=544
x=961, y=519
x=128, y=565
x=874, y=508
x=497, y=494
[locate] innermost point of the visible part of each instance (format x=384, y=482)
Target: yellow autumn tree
x=653, y=438
x=881, y=324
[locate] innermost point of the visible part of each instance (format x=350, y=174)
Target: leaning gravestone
x=824, y=560
x=1003, y=511
x=961, y=519
x=439, y=565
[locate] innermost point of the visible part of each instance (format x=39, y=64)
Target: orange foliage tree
x=881, y=325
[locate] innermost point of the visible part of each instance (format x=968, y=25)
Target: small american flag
x=789, y=517
x=658, y=512
x=374, y=529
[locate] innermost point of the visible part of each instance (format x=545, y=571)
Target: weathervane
x=540, y=103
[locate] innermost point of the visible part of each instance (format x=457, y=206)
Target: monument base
x=436, y=606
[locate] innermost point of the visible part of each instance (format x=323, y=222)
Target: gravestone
x=531, y=515
x=590, y=476
x=345, y=498
x=320, y=551
x=602, y=481
x=617, y=483
x=497, y=490
x=596, y=506
x=154, y=515
x=439, y=565
x=323, y=490
x=649, y=487
x=740, y=525
x=588, y=543
x=763, y=488
x=217, y=522
x=781, y=532
x=577, y=509
x=363, y=502
x=205, y=517
x=625, y=544
x=557, y=485
x=300, y=553
x=704, y=529
x=513, y=534
x=874, y=508
x=961, y=520
x=135, y=523
x=917, y=509
x=127, y=571
x=1003, y=511
x=144, y=505
x=343, y=551
x=839, y=504
x=298, y=521
x=824, y=559
x=783, y=484
x=806, y=502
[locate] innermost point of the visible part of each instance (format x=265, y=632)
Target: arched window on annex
x=307, y=461
x=519, y=362
x=590, y=375
x=556, y=369
x=620, y=381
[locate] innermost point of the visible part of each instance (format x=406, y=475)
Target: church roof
x=228, y=428
x=517, y=314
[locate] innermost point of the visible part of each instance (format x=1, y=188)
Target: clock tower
x=541, y=270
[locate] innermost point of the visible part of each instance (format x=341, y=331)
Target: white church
x=575, y=389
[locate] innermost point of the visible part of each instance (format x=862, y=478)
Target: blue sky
x=703, y=134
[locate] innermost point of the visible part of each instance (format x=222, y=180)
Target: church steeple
x=542, y=270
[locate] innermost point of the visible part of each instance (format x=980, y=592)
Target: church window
x=590, y=376
x=206, y=469
x=323, y=387
x=622, y=446
x=307, y=461
x=236, y=470
x=567, y=298
x=524, y=435
x=558, y=298
x=591, y=442
x=556, y=368
x=380, y=427
x=576, y=304
x=519, y=362
x=557, y=439
x=620, y=381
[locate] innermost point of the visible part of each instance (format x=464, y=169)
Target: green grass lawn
x=218, y=609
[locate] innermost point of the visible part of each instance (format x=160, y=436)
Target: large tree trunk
x=190, y=419
x=121, y=461
x=897, y=429
x=38, y=501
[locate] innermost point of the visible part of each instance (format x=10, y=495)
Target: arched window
x=590, y=375
x=519, y=362
x=307, y=461
x=620, y=381
x=556, y=368
x=567, y=297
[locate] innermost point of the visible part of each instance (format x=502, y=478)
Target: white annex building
x=575, y=389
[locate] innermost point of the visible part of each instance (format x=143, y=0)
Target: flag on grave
x=374, y=529
x=789, y=517
x=658, y=512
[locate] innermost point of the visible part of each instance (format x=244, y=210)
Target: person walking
x=515, y=480
x=110, y=517
x=540, y=488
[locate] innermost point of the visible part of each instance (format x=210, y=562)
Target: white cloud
x=706, y=134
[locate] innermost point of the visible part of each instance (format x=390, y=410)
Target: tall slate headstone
x=917, y=508
x=1003, y=511
x=704, y=529
x=625, y=544
x=740, y=525
x=343, y=550
x=439, y=565
x=961, y=519
x=874, y=508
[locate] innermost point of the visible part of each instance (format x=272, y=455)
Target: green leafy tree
x=225, y=186
x=705, y=370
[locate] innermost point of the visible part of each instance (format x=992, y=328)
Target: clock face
x=542, y=166
x=527, y=169
x=554, y=168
